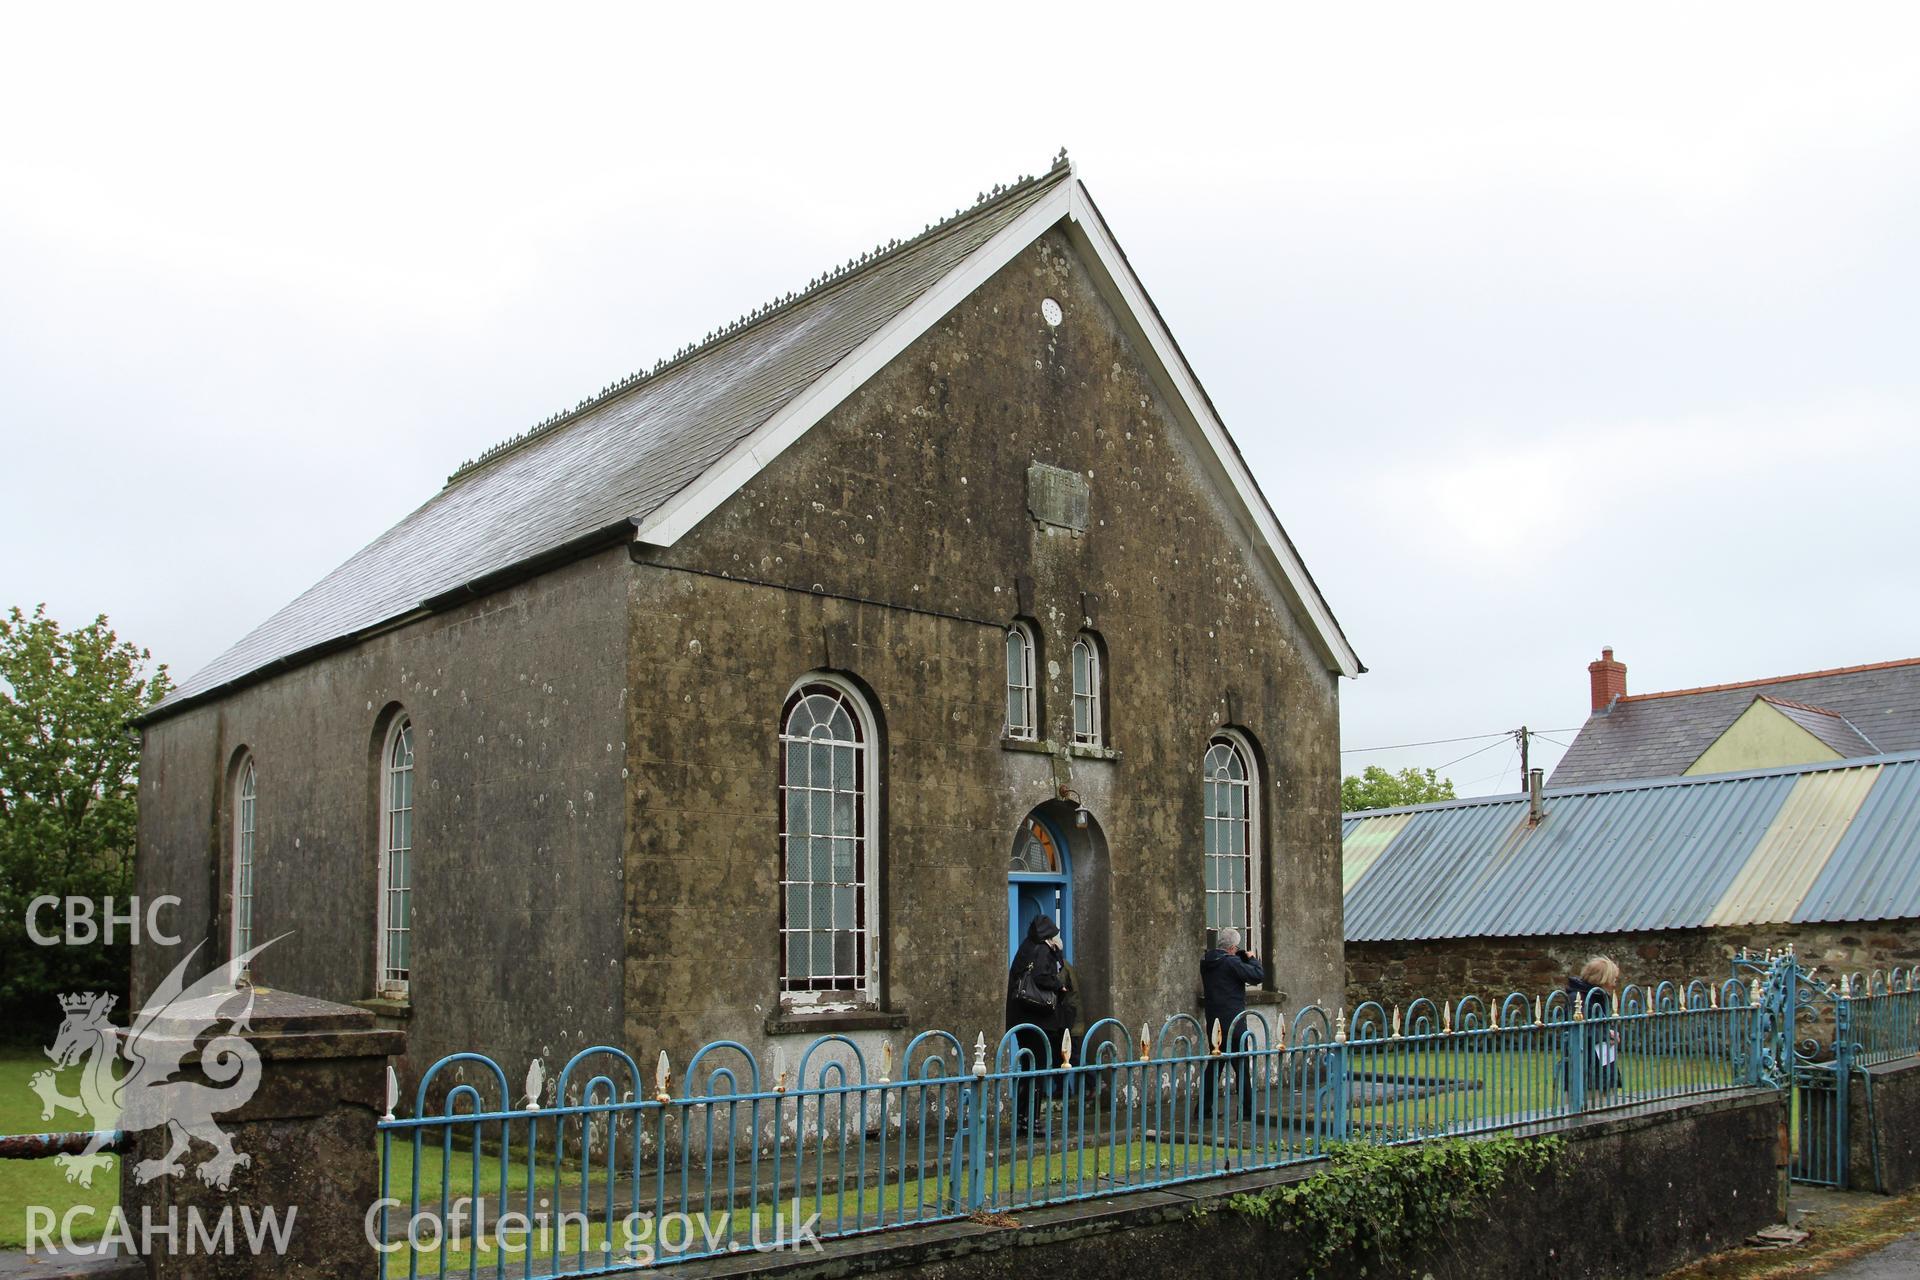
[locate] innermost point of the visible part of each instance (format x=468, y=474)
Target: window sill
x=1048, y=747
x=1256, y=996
x=801, y=1022
x=386, y=1007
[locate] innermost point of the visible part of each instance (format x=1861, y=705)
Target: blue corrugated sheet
x=1874, y=873
x=1810, y=843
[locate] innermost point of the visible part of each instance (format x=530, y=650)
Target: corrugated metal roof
x=1795, y=847
x=1818, y=842
x=1367, y=844
x=1874, y=873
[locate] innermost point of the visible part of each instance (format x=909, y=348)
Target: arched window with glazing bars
x=828, y=951
x=1088, y=714
x=1232, y=817
x=1023, y=697
x=395, y=930
x=245, y=824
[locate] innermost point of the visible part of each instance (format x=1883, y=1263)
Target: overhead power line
x=1501, y=773
x=1442, y=742
x=1436, y=742
x=1505, y=737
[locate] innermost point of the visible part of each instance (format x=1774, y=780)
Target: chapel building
x=773, y=690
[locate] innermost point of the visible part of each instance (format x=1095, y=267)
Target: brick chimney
x=1609, y=680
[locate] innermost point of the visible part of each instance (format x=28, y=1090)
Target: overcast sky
x=1541, y=327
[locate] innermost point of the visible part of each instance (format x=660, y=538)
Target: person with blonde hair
x=1594, y=991
x=1600, y=973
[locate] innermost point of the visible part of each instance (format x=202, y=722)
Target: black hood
x=1042, y=928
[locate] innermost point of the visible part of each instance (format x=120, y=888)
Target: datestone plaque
x=1057, y=496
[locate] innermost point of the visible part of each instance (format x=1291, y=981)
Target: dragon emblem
x=128, y=1074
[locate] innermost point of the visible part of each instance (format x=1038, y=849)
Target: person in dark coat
x=1593, y=992
x=1040, y=952
x=1225, y=974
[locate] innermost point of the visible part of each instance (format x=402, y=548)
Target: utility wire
x=1436, y=742
x=1441, y=742
x=1505, y=737
x=1500, y=774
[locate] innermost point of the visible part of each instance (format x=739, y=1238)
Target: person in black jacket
x=1225, y=974
x=1039, y=952
x=1594, y=991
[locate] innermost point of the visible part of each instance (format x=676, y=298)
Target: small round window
x=1050, y=311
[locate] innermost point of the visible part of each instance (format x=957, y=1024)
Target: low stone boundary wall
x=1632, y=1196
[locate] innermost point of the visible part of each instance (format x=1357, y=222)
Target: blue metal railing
x=608, y=1171
x=1884, y=1015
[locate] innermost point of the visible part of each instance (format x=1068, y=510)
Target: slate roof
x=616, y=458
x=1816, y=843
x=1832, y=728
x=1654, y=735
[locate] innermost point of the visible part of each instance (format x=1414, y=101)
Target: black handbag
x=1027, y=991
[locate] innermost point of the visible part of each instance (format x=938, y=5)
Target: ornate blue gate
x=1805, y=1044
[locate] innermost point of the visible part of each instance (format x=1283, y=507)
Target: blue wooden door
x=1039, y=879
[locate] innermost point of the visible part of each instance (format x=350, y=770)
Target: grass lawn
x=41, y=1182
x=1015, y=1179
x=458, y=1172
x=1519, y=1082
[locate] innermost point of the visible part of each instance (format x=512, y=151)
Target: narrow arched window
x=244, y=795
x=1023, y=718
x=1087, y=726
x=827, y=866
x=396, y=860
x=1232, y=839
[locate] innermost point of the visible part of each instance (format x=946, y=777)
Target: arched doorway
x=1039, y=880
x=1058, y=864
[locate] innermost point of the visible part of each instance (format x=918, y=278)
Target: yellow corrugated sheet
x=1796, y=846
x=1368, y=841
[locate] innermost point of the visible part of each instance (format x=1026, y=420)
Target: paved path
x=15, y=1265
x=1897, y=1261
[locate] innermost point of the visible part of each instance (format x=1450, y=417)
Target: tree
x=69, y=765
x=1375, y=788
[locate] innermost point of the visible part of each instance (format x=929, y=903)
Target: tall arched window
x=828, y=951
x=244, y=794
x=396, y=860
x=1232, y=839
x=1087, y=718
x=1023, y=710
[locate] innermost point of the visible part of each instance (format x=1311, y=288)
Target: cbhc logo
x=83, y=927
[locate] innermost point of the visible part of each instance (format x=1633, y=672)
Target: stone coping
x=281, y=1025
